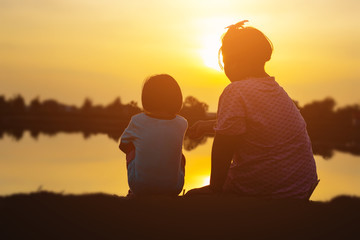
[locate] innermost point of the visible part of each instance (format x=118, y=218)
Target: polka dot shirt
x=274, y=157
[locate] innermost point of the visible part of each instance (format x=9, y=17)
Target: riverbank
x=46, y=215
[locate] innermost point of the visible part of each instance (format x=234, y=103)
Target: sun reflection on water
x=96, y=165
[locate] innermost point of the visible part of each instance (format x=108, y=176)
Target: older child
x=261, y=146
x=153, y=140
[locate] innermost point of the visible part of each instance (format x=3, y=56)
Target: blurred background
x=71, y=74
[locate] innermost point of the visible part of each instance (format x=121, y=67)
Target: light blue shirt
x=156, y=168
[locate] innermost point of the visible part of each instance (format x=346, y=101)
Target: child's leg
x=131, y=178
x=181, y=175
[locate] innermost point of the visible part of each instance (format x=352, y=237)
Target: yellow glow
x=206, y=180
x=209, y=51
x=104, y=49
x=101, y=168
x=211, y=31
x=71, y=49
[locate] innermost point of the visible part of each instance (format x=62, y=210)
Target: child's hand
x=196, y=130
x=200, y=128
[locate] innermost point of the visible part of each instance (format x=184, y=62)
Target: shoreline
x=48, y=215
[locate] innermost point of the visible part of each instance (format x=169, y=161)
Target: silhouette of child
x=261, y=146
x=153, y=140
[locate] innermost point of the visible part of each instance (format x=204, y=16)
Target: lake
x=71, y=164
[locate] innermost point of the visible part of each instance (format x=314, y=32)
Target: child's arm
x=126, y=147
x=200, y=128
x=129, y=150
x=126, y=141
x=223, y=150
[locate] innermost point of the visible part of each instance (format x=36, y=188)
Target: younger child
x=153, y=140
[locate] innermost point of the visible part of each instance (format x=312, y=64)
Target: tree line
x=50, y=116
x=16, y=106
x=329, y=127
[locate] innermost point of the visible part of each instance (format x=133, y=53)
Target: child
x=153, y=140
x=261, y=146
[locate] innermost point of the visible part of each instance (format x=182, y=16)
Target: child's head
x=161, y=94
x=245, y=46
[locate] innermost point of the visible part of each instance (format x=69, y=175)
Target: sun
x=209, y=51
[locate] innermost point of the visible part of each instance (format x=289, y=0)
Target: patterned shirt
x=274, y=157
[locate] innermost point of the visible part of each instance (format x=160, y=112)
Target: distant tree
x=193, y=108
x=131, y=109
x=17, y=104
x=325, y=124
x=133, y=104
x=17, y=134
x=97, y=109
x=51, y=106
x=115, y=107
x=319, y=111
x=3, y=105
x=323, y=150
x=348, y=115
x=35, y=133
x=87, y=105
x=35, y=105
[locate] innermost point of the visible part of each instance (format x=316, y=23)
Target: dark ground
x=45, y=215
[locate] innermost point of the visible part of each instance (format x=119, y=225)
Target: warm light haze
x=114, y=121
x=69, y=50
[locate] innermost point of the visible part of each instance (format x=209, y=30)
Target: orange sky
x=72, y=49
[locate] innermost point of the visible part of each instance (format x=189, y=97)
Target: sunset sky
x=72, y=49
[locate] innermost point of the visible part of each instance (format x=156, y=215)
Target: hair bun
x=237, y=25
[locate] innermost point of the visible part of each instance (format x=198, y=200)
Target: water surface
x=69, y=163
